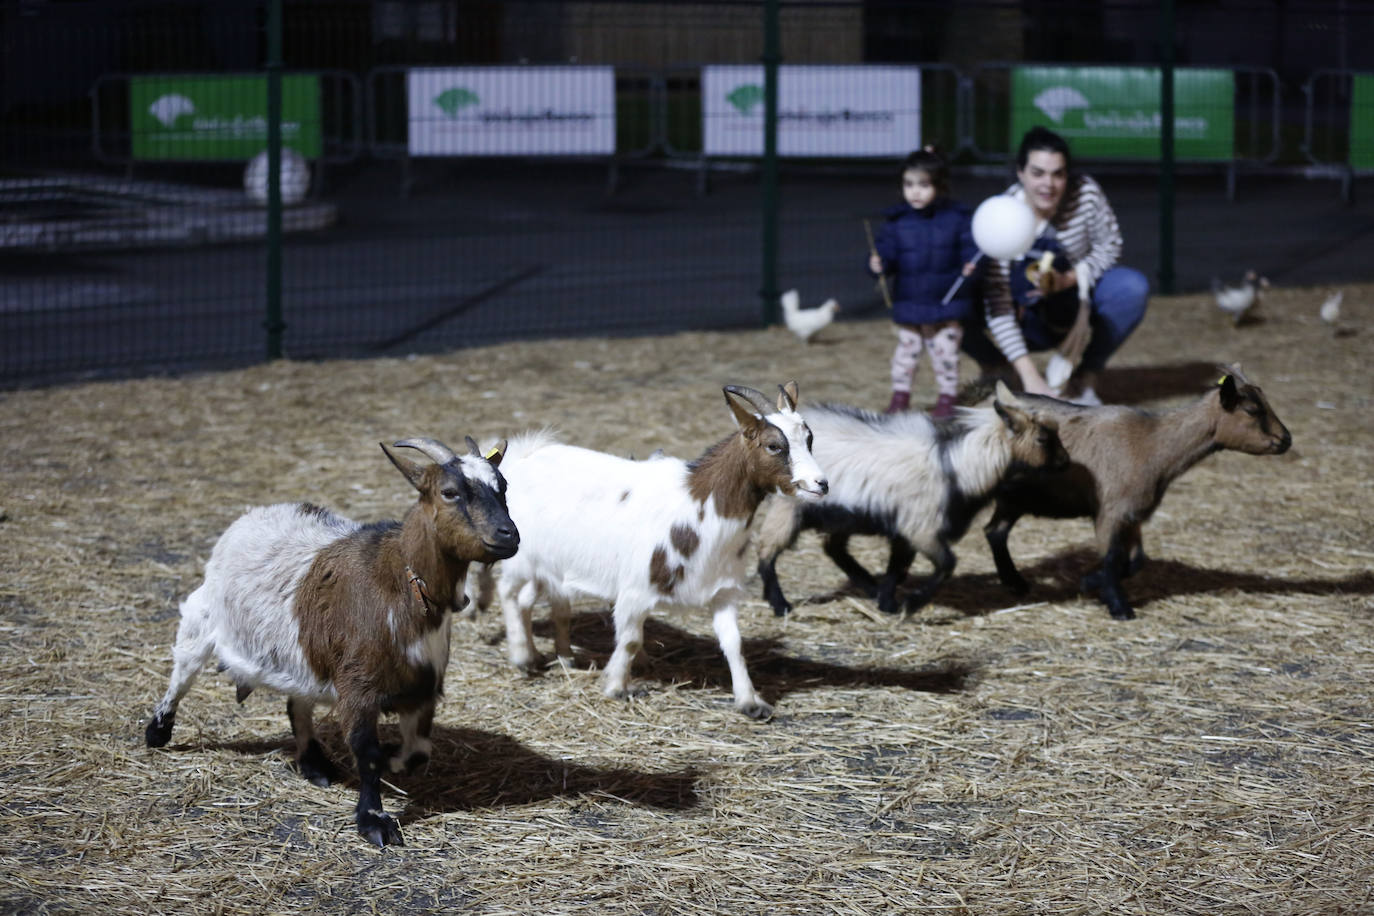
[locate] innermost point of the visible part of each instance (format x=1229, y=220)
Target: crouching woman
x=1067, y=292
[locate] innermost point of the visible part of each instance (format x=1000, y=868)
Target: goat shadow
x=1055, y=579
x=471, y=769
x=673, y=655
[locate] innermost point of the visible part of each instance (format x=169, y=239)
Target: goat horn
x=472, y=447
x=755, y=398
x=435, y=449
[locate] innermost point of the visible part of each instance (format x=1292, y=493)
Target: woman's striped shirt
x=1087, y=231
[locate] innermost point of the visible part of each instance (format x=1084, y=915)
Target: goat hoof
x=630, y=692
x=917, y=601
x=867, y=589
x=532, y=666
x=159, y=730
x=782, y=610
x=1017, y=586
x=415, y=761
x=379, y=829
x=315, y=766
x=756, y=709
x=1123, y=613
x=395, y=763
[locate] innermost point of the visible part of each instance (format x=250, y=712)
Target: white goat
x=645, y=533
x=909, y=479
x=326, y=610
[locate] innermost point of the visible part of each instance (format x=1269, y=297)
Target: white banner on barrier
x=822, y=111
x=511, y=111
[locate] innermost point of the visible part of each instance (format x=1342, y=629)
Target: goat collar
x=419, y=591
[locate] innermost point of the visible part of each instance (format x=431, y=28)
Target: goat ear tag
x=1222, y=380
x=492, y=453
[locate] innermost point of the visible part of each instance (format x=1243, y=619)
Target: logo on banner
x=745, y=98
x=452, y=101
x=170, y=107
x=1058, y=101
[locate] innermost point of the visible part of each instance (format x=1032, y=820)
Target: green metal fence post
x=772, y=54
x=274, y=323
x=1166, y=147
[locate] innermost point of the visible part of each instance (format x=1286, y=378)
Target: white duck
x=1239, y=301
x=806, y=322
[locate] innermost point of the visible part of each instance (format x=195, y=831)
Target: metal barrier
x=1338, y=125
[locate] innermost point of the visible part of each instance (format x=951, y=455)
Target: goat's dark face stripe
x=481, y=501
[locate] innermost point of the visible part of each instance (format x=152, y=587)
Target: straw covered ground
x=984, y=756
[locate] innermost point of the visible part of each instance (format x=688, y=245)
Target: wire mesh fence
x=467, y=171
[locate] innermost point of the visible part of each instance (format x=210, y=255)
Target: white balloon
x=295, y=177
x=1003, y=227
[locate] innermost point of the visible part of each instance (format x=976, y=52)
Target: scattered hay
x=985, y=756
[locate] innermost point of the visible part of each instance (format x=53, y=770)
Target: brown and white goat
x=1122, y=460
x=642, y=534
x=906, y=478
x=326, y=610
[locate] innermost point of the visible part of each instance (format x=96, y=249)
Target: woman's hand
x=1031, y=379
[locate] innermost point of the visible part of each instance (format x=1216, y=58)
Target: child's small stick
x=958, y=282
x=882, y=278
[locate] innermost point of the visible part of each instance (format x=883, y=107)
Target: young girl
x=925, y=244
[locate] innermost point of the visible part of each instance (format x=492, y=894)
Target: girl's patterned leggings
x=942, y=340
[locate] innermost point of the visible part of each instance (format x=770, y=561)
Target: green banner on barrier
x=1113, y=112
x=1362, y=121
x=219, y=117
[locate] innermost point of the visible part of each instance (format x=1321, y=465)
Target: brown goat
x=307, y=603
x=1121, y=461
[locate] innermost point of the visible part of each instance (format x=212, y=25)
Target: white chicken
x=806, y=322
x=1331, y=314
x=1331, y=308
x=1240, y=301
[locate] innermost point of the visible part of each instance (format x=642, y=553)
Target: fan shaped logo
x=452, y=101
x=169, y=107
x=745, y=97
x=1058, y=101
